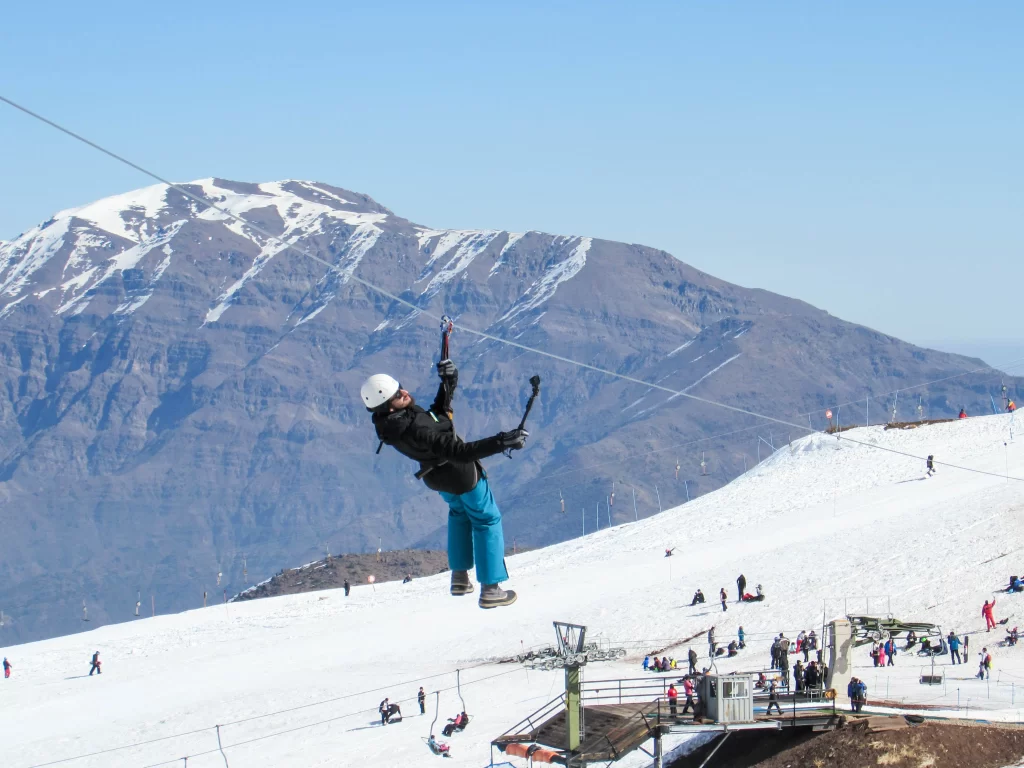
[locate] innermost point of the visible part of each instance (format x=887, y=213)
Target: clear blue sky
x=866, y=157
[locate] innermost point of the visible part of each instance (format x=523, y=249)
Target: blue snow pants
x=474, y=528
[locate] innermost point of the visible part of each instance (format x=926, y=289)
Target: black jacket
x=451, y=465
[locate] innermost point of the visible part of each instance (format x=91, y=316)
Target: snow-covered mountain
x=826, y=526
x=180, y=392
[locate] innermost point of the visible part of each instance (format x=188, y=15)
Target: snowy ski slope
x=821, y=524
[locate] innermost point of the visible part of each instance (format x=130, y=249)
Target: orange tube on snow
x=517, y=750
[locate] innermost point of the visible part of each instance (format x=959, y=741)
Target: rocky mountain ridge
x=181, y=393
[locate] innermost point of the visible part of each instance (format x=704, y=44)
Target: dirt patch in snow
x=930, y=745
x=860, y=745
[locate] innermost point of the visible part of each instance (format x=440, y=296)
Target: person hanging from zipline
x=452, y=468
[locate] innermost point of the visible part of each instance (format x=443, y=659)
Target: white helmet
x=377, y=390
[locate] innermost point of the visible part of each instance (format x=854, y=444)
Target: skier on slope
x=452, y=468
x=986, y=612
x=930, y=464
x=963, y=414
x=96, y=663
x=348, y=587
x=7, y=667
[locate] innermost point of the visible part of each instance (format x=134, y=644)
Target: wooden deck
x=611, y=731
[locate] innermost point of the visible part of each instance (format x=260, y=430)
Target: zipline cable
x=677, y=446
x=419, y=310
x=375, y=288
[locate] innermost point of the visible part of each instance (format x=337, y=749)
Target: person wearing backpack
x=985, y=668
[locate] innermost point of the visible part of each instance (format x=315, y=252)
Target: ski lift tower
x=571, y=639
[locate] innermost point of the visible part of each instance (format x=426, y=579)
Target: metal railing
x=535, y=719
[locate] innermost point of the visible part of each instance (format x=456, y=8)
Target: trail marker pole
x=686, y=486
x=659, y=497
x=635, y=516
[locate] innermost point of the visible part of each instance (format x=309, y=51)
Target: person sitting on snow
x=1015, y=585
x=963, y=414
x=698, y=597
x=1011, y=637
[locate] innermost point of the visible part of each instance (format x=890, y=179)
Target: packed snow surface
x=827, y=526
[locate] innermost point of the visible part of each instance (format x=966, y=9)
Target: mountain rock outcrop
x=180, y=393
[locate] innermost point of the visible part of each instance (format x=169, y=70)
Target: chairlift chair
x=439, y=749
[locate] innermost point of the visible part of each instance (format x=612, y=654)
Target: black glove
x=448, y=372
x=512, y=440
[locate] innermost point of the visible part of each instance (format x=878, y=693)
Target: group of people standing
x=742, y=596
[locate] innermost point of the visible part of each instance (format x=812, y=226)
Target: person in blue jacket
x=647, y=663
x=742, y=637
x=954, y=648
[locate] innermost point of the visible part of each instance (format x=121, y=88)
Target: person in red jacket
x=963, y=414
x=672, y=694
x=688, y=690
x=986, y=611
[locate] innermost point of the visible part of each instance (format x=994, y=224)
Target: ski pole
x=535, y=383
x=446, y=330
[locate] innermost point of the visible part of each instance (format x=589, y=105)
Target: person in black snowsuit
x=348, y=587
x=95, y=664
x=784, y=653
x=773, y=699
x=698, y=597
x=452, y=468
x=741, y=588
x=692, y=658
x=930, y=464
x=421, y=697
